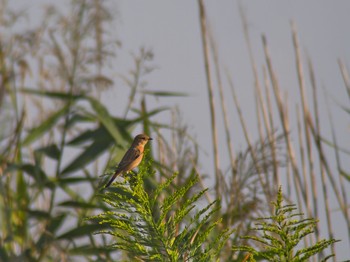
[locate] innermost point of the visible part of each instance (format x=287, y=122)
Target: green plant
x=159, y=226
x=56, y=136
x=281, y=234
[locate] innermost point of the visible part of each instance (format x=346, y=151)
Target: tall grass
x=311, y=148
x=59, y=141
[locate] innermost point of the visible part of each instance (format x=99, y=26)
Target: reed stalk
x=339, y=167
x=258, y=92
x=284, y=122
x=328, y=171
x=305, y=111
x=210, y=89
x=264, y=185
x=345, y=75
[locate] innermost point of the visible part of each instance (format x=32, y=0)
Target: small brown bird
x=132, y=157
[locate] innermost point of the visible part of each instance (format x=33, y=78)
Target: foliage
x=159, y=226
x=57, y=136
x=282, y=233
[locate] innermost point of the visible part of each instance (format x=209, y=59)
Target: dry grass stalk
x=261, y=103
x=264, y=185
x=305, y=111
x=303, y=166
x=261, y=137
x=316, y=116
x=339, y=166
x=322, y=166
x=223, y=106
x=324, y=162
x=284, y=122
x=270, y=125
x=345, y=75
x=204, y=34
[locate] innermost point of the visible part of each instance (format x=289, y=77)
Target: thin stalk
x=99, y=34
x=295, y=181
x=345, y=75
x=324, y=162
x=316, y=116
x=323, y=176
x=173, y=146
x=285, y=123
x=301, y=145
x=305, y=110
x=206, y=194
x=289, y=179
x=258, y=91
x=326, y=197
x=302, y=158
x=339, y=165
x=248, y=140
x=265, y=165
x=233, y=188
x=223, y=103
x=260, y=128
x=133, y=85
x=270, y=125
x=270, y=134
x=70, y=75
x=323, y=165
x=203, y=25
x=173, y=137
x=268, y=98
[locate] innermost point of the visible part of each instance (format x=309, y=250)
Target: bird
x=132, y=157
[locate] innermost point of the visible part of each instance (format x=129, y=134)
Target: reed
x=210, y=88
x=59, y=143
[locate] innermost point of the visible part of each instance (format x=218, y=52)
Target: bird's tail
x=112, y=179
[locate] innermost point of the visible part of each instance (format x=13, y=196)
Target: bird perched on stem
x=132, y=157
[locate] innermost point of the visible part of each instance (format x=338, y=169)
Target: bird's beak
x=150, y=138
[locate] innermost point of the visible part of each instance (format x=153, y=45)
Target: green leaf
x=281, y=233
x=344, y=174
x=88, y=249
x=3, y=254
x=52, y=94
x=49, y=233
x=77, y=204
x=88, y=135
x=51, y=151
x=64, y=181
x=146, y=115
x=38, y=214
x=45, y=126
x=161, y=187
x=105, y=118
x=79, y=118
x=82, y=231
x=33, y=171
x=100, y=145
x=164, y=93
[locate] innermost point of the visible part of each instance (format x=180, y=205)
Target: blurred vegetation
x=282, y=232
x=160, y=226
x=57, y=138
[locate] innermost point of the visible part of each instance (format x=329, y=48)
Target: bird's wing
x=131, y=155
